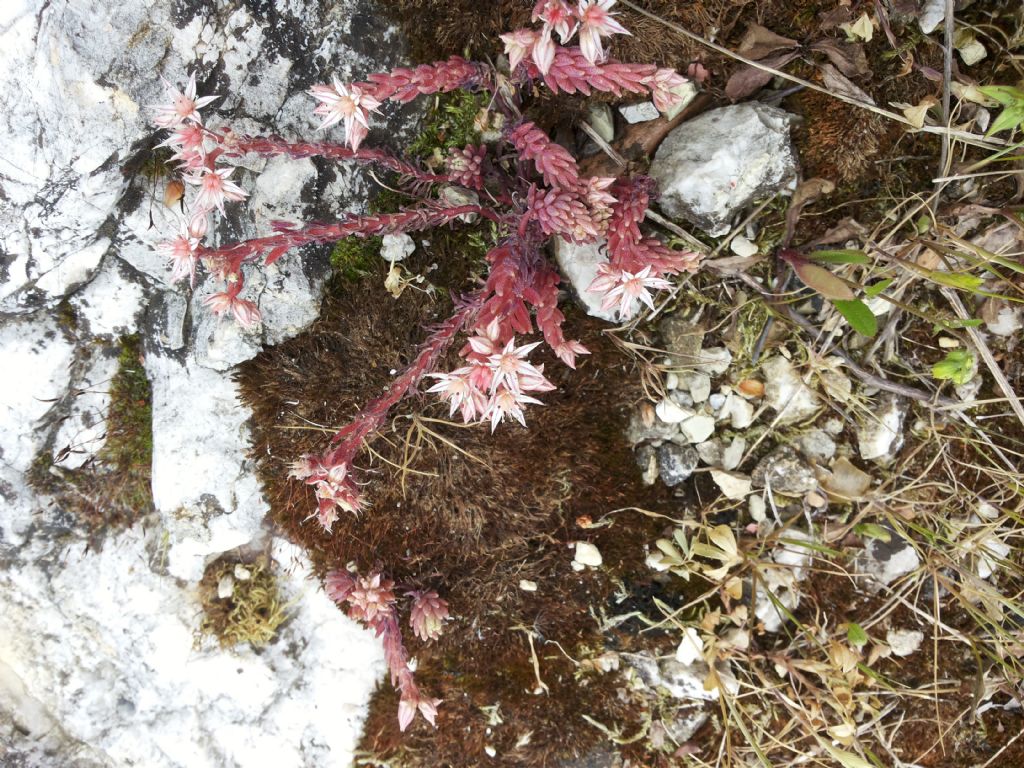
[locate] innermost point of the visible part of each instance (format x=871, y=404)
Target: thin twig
x=947, y=75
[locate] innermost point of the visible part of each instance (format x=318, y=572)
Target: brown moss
x=471, y=523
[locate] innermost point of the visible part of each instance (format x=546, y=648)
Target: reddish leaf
x=823, y=281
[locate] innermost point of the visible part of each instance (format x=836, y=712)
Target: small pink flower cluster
x=636, y=263
x=590, y=17
x=495, y=383
x=333, y=485
x=196, y=149
x=371, y=601
x=352, y=104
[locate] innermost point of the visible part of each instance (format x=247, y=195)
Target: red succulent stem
x=570, y=72
x=404, y=84
x=425, y=217
x=374, y=414
x=269, y=146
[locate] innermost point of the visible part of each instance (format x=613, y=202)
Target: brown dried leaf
x=846, y=480
x=849, y=58
x=173, y=193
x=806, y=193
x=838, y=83
x=749, y=79
x=847, y=229
x=760, y=42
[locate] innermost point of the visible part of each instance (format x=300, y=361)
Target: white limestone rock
x=111, y=303
x=881, y=562
x=640, y=112
x=786, y=392
x=880, y=434
x=579, y=264
x=710, y=168
x=124, y=685
x=203, y=485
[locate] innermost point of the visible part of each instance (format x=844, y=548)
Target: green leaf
x=823, y=281
x=856, y=635
x=842, y=256
x=956, y=324
x=1009, y=118
x=1006, y=95
x=872, y=531
x=957, y=366
x=876, y=288
x=857, y=314
x=959, y=280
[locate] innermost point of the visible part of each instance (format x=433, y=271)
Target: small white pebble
x=699, y=428
x=587, y=554
x=948, y=342
x=528, y=586
x=671, y=413
x=904, y=641
x=815, y=500
x=491, y=751
x=226, y=586
x=242, y=573
x=716, y=401
x=671, y=380
x=758, y=508
x=743, y=247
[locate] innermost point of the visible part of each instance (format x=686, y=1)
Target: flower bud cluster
x=371, y=601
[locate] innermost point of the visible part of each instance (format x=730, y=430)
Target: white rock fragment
x=714, y=360
x=786, y=393
x=226, y=586
x=931, y=15
x=734, y=485
x=698, y=428
x=739, y=411
x=1002, y=318
x=600, y=118
x=242, y=573
x=710, y=168
x=397, y=247
x=579, y=264
x=883, y=562
x=527, y=586
x=757, y=508
x=671, y=413
x=639, y=113
x=587, y=556
x=743, y=247
x=671, y=380
x=783, y=582
x=716, y=401
x=691, y=647
x=880, y=435
x=904, y=642
x=732, y=455
x=699, y=385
